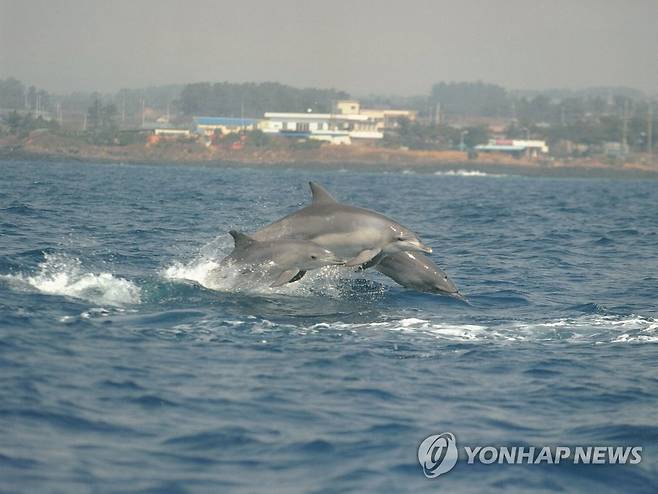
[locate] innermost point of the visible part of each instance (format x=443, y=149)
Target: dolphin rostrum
x=361, y=236
x=284, y=260
x=419, y=272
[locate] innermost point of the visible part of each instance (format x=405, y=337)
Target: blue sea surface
x=123, y=368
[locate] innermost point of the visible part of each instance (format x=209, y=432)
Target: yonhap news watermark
x=439, y=453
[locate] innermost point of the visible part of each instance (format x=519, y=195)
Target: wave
x=468, y=173
x=65, y=276
x=592, y=329
x=601, y=328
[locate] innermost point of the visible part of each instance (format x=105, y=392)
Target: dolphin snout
x=423, y=248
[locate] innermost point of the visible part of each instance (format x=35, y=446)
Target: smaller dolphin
x=284, y=260
x=419, y=272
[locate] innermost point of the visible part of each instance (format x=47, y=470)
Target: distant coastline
x=50, y=147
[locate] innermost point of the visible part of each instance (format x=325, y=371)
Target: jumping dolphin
x=284, y=260
x=361, y=236
x=419, y=272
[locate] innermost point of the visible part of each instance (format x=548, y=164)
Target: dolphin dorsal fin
x=241, y=240
x=320, y=194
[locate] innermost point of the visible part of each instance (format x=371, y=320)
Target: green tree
x=252, y=100
x=470, y=98
x=258, y=138
x=108, y=114
x=476, y=135
x=14, y=121
x=12, y=94
x=94, y=114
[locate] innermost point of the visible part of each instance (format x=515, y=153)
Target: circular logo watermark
x=437, y=454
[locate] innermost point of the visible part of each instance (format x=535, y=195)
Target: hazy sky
x=383, y=46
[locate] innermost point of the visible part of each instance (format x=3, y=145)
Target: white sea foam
x=597, y=328
x=198, y=270
x=467, y=173
x=62, y=275
x=211, y=274
x=591, y=329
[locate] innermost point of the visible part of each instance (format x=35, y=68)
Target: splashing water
x=227, y=277
x=65, y=276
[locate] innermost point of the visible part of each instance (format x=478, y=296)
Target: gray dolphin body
x=361, y=236
x=414, y=270
x=284, y=261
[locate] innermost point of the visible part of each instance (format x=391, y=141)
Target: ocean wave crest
x=468, y=173
x=62, y=275
x=591, y=329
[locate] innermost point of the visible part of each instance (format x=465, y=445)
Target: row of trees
x=447, y=100
x=252, y=100
x=469, y=98
x=591, y=117
x=21, y=124
x=14, y=95
x=415, y=135
x=100, y=122
x=559, y=107
x=594, y=132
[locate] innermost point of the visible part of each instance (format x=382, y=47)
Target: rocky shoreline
x=45, y=146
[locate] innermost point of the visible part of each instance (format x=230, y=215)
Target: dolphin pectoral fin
x=372, y=262
x=298, y=276
x=286, y=277
x=363, y=257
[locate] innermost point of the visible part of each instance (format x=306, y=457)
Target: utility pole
x=650, y=131
x=242, y=115
x=624, y=128
x=462, y=146
x=123, y=111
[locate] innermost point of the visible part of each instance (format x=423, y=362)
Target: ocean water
x=123, y=368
